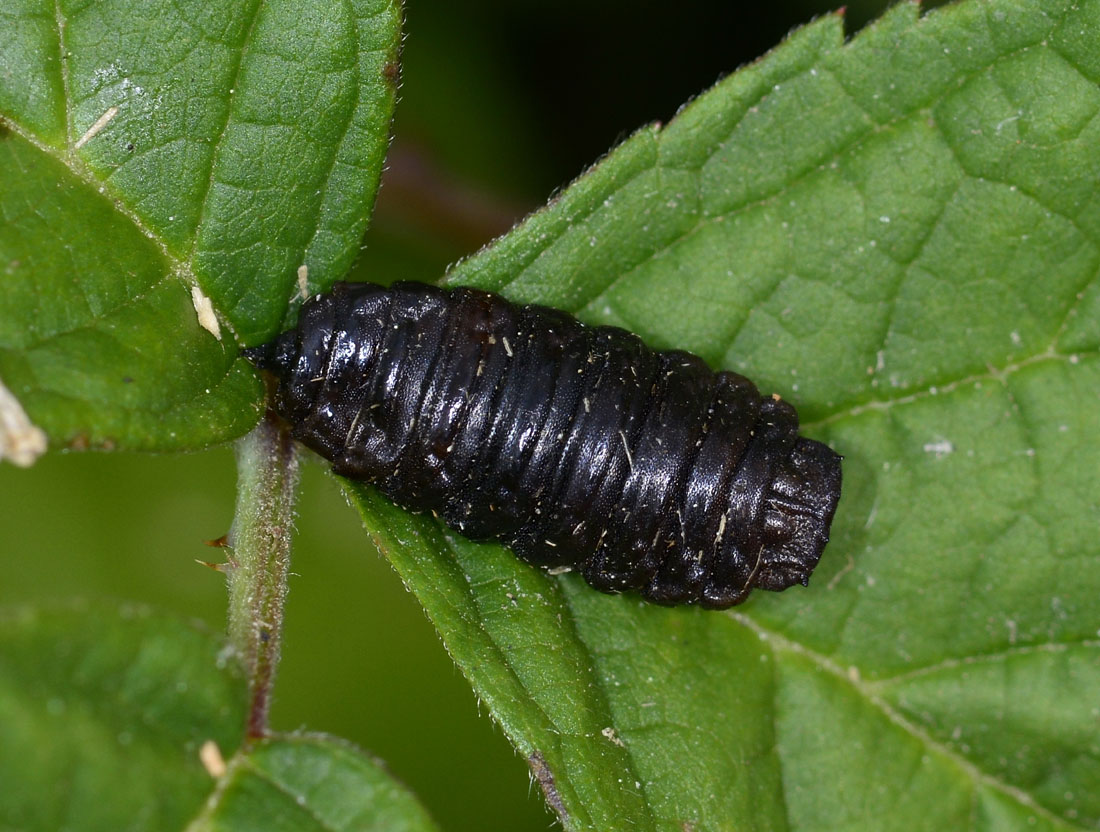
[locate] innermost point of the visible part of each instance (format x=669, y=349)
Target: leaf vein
x=63, y=68
x=992, y=373
x=234, y=79
x=977, y=776
x=993, y=657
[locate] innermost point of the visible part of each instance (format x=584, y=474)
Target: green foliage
x=149, y=150
x=309, y=782
x=103, y=712
x=900, y=234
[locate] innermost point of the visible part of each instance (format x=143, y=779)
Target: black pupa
x=577, y=446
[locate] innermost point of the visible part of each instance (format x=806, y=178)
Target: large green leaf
x=304, y=782
x=148, y=149
x=901, y=235
x=119, y=718
x=103, y=713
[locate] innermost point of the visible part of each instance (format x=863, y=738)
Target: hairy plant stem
x=267, y=466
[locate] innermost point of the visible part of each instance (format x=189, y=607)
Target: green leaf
x=304, y=782
x=148, y=149
x=102, y=715
x=901, y=235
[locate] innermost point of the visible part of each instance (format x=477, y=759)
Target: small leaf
x=900, y=235
x=152, y=148
x=304, y=782
x=102, y=715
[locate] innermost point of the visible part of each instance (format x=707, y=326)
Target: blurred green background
x=502, y=102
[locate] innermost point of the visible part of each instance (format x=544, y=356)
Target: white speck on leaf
x=611, y=735
x=212, y=760
x=98, y=125
x=21, y=440
x=303, y=281
x=204, y=310
x=940, y=447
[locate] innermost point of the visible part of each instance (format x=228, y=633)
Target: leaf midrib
x=176, y=267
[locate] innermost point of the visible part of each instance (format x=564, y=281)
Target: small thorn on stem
x=218, y=542
x=217, y=567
